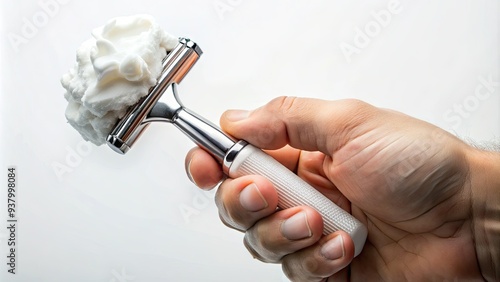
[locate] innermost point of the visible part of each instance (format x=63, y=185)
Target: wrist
x=485, y=207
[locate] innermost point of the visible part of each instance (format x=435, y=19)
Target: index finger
x=202, y=169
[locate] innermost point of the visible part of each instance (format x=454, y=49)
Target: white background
x=109, y=217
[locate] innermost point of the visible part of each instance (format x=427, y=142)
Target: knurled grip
x=293, y=191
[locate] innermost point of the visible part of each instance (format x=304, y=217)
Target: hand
x=412, y=184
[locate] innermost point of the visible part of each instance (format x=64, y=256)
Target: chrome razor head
x=176, y=65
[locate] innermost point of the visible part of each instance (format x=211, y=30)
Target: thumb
x=304, y=123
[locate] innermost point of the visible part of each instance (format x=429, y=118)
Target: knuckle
x=266, y=245
x=356, y=104
x=272, y=127
x=298, y=268
x=310, y=265
x=237, y=220
x=284, y=103
x=250, y=243
x=358, y=108
x=261, y=247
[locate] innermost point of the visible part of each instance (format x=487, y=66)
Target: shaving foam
x=113, y=70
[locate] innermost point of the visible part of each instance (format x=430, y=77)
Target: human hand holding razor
x=430, y=202
x=411, y=183
x=236, y=157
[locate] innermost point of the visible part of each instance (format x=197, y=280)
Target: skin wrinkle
x=430, y=209
x=451, y=191
x=430, y=175
x=322, y=140
x=433, y=175
x=400, y=243
x=360, y=113
x=427, y=210
x=353, y=143
x=376, y=155
x=367, y=148
x=386, y=264
x=319, y=169
x=390, y=244
x=297, y=163
x=391, y=168
x=349, y=129
x=454, y=233
x=406, y=252
x=422, y=215
x=316, y=176
x=391, y=241
x=287, y=105
x=452, y=188
x=303, y=137
x=407, y=234
x=287, y=133
x=334, y=170
x=423, y=152
x=408, y=271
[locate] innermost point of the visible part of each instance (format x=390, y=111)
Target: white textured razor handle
x=293, y=191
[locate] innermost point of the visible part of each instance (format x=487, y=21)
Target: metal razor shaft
x=201, y=131
x=204, y=134
x=176, y=65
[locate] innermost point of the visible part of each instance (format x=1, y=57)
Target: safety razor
x=237, y=157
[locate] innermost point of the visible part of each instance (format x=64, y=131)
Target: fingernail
x=334, y=248
x=236, y=115
x=296, y=227
x=188, y=171
x=251, y=199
